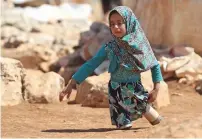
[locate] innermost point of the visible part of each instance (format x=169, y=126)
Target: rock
x=198, y=86
x=93, y=91
x=7, y=31
x=42, y=88
x=62, y=50
x=177, y=63
x=86, y=36
x=17, y=17
x=31, y=56
x=14, y=37
x=188, y=67
x=97, y=97
x=193, y=67
x=40, y=39
x=14, y=41
x=183, y=80
x=96, y=27
x=66, y=66
x=31, y=38
x=65, y=32
x=92, y=40
x=160, y=51
x=33, y=31
x=32, y=72
x=102, y=37
x=35, y=3
x=181, y=50
x=198, y=77
x=12, y=74
x=44, y=66
x=167, y=75
x=67, y=72
x=163, y=61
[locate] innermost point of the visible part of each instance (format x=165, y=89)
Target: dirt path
x=69, y=121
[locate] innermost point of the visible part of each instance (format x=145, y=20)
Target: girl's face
x=117, y=25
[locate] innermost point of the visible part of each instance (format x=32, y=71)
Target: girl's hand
x=153, y=94
x=67, y=90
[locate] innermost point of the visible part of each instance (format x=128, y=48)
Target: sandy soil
x=68, y=121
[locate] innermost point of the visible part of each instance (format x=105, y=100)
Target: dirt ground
x=69, y=121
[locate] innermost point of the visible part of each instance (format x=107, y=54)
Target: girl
x=130, y=54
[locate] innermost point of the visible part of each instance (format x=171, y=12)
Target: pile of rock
x=89, y=43
x=183, y=63
x=19, y=84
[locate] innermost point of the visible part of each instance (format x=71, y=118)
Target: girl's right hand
x=66, y=91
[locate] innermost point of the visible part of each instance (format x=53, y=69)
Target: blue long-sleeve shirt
x=120, y=75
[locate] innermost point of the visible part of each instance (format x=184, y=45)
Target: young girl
x=129, y=54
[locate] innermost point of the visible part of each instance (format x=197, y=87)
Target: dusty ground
x=69, y=121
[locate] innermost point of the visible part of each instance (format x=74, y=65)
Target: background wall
x=170, y=22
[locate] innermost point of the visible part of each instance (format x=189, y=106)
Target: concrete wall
x=170, y=22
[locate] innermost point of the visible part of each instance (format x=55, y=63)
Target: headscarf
x=138, y=55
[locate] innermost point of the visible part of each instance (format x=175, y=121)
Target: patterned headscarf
x=138, y=54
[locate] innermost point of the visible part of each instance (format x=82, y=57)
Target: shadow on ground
x=88, y=130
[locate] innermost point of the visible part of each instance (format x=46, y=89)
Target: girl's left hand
x=153, y=94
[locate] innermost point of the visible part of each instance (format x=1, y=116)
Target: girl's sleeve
x=156, y=73
x=86, y=69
